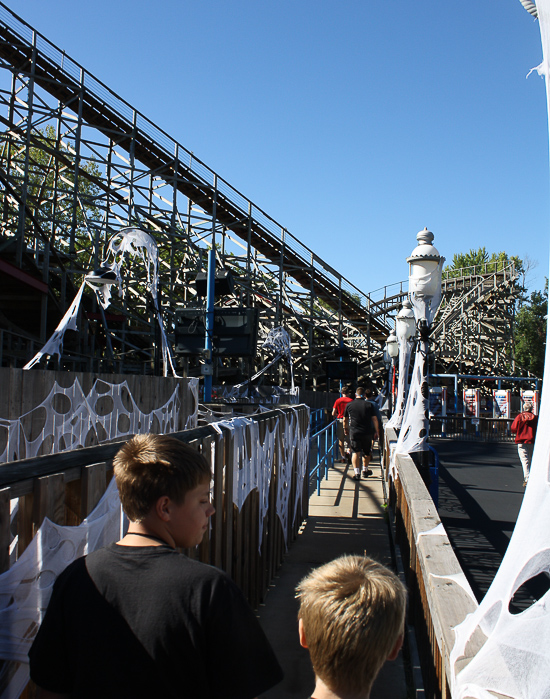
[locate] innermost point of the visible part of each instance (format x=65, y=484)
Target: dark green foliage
x=480, y=262
x=530, y=332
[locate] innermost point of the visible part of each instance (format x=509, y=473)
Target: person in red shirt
x=525, y=428
x=338, y=412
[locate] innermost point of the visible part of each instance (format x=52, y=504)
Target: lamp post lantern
x=405, y=323
x=392, y=349
x=425, y=264
x=405, y=329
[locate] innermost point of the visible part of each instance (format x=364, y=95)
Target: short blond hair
x=353, y=613
x=149, y=466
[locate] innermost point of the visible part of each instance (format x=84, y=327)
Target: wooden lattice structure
x=77, y=164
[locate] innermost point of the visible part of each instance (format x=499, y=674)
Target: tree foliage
x=481, y=262
x=530, y=332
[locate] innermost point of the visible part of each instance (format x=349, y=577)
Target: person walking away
x=524, y=427
x=361, y=423
x=338, y=412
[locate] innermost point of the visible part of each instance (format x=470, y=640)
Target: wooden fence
x=66, y=487
x=437, y=602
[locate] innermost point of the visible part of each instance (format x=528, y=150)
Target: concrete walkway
x=348, y=517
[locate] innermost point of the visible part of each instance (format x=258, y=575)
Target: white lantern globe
x=405, y=323
x=424, y=278
x=392, y=346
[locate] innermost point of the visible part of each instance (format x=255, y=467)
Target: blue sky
x=352, y=123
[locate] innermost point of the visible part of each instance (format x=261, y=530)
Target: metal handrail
x=326, y=443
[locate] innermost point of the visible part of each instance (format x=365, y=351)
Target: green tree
x=530, y=332
x=481, y=262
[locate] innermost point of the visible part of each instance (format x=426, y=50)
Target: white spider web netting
x=26, y=587
x=515, y=657
x=252, y=460
x=294, y=446
x=69, y=418
x=278, y=343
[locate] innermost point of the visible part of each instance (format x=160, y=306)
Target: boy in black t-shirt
x=351, y=619
x=139, y=619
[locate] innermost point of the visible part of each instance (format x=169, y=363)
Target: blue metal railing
x=323, y=444
x=316, y=420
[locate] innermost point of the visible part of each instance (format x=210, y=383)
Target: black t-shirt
x=360, y=413
x=147, y=622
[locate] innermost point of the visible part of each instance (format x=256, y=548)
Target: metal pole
x=209, y=322
x=210, y=297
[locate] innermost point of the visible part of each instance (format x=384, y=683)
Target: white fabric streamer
x=415, y=422
x=69, y=322
x=132, y=242
x=396, y=419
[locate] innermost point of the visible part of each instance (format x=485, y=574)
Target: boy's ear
x=162, y=508
x=395, y=651
x=302, y=634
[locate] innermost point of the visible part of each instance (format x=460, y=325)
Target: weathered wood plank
x=432, y=561
x=5, y=534
x=49, y=500
x=92, y=487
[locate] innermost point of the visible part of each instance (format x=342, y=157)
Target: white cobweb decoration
x=127, y=243
x=278, y=343
x=253, y=460
x=514, y=659
x=71, y=419
x=294, y=448
x=25, y=589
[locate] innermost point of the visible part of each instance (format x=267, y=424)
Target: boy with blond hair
x=140, y=619
x=351, y=619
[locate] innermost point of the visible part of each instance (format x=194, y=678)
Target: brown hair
x=353, y=613
x=150, y=466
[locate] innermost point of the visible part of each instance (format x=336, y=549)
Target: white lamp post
x=405, y=329
x=425, y=265
x=392, y=348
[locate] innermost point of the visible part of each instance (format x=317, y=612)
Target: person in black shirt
x=138, y=619
x=361, y=423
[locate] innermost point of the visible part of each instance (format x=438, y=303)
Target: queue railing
x=322, y=448
x=471, y=428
